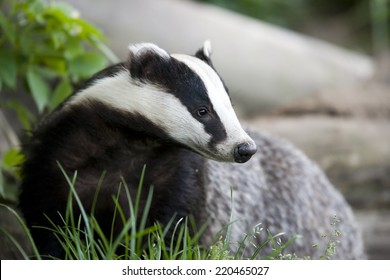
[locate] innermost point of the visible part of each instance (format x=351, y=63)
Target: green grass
x=82, y=238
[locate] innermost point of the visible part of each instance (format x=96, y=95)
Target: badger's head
x=182, y=95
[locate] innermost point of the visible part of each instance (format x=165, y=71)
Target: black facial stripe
x=178, y=79
x=215, y=128
x=200, y=54
x=192, y=93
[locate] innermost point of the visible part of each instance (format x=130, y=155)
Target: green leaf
x=86, y=64
x=73, y=48
x=10, y=163
x=58, y=38
x=34, y=8
x=38, y=87
x=55, y=65
x=62, y=91
x=8, y=68
x=7, y=28
x=12, y=160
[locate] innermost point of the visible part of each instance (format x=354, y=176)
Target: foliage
x=333, y=239
x=44, y=46
x=45, y=49
x=9, y=165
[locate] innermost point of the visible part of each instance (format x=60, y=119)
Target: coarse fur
x=172, y=114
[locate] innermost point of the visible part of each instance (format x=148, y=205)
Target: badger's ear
x=145, y=60
x=204, y=53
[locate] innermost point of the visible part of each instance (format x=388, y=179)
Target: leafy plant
x=333, y=239
x=45, y=49
x=44, y=46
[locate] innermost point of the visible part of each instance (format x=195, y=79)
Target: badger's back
x=287, y=193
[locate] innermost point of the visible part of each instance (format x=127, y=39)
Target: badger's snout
x=244, y=151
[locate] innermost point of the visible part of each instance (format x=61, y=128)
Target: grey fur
x=285, y=192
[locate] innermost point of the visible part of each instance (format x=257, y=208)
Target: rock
x=347, y=132
x=376, y=232
x=365, y=101
x=263, y=65
x=355, y=153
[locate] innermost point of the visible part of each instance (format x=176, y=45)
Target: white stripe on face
x=161, y=108
x=221, y=104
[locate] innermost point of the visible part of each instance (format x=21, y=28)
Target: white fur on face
x=167, y=112
x=222, y=106
x=161, y=108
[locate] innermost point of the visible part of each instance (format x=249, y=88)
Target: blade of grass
x=25, y=230
x=75, y=195
x=15, y=243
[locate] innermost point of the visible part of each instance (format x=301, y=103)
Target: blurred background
x=315, y=72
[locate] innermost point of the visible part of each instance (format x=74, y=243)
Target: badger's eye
x=202, y=111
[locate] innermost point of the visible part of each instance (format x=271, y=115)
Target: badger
x=171, y=115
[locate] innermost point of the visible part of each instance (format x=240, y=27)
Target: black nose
x=244, y=151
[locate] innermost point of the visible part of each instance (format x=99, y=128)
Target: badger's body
x=172, y=114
